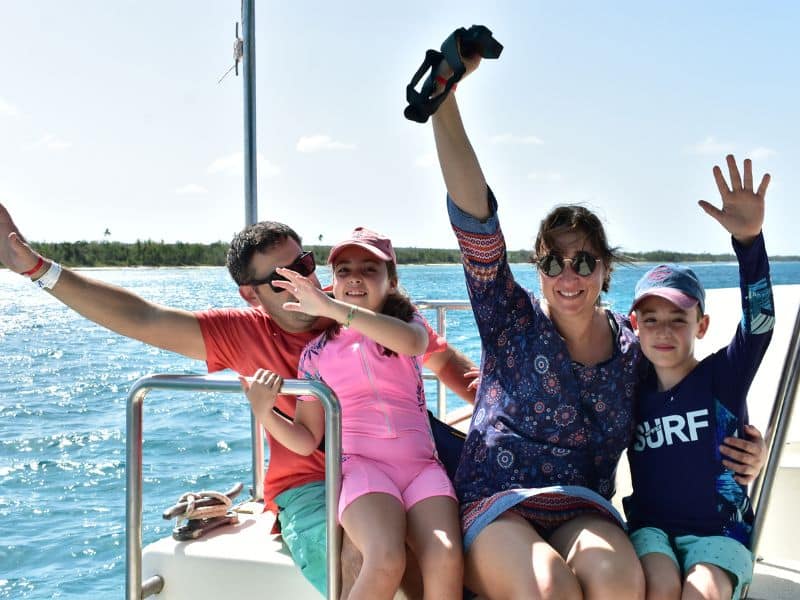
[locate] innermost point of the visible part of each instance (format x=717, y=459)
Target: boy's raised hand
x=742, y=212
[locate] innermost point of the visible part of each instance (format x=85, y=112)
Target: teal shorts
x=302, y=519
x=689, y=550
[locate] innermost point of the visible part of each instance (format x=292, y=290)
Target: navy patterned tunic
x=542, y=423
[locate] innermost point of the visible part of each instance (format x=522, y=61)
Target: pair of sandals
x=477, y=40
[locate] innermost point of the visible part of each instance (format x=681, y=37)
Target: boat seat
x=232, y=561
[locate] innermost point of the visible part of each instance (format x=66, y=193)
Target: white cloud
x=191, y=189
x=318, y=143
x=233, y=164
x=545, y=177
x=426, y=161
x=510, y=138
x=51, y=142
x=761, y=153
x=7, y=109
x=711, y=146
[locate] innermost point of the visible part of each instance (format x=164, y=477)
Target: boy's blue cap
x=674, y=283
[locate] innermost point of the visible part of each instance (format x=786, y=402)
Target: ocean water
x=63, y=386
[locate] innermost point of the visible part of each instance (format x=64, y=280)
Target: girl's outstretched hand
x=309, y=298
x=742, y=212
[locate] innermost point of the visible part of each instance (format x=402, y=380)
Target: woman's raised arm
x=460, y=168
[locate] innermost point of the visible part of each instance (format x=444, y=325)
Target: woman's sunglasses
x=303, y=265
x=552, y=265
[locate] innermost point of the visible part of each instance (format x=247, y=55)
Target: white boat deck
x=245, y=560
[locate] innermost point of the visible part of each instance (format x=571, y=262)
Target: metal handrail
x=777, y=429
x=441, y=307
x=135, y=589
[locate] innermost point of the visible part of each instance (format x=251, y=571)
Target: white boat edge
x=246, y=559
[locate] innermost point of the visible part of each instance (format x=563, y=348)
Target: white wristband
x=50, y=277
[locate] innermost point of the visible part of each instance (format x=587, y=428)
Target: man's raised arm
x=107, y=305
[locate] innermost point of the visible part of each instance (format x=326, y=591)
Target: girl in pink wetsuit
x=394, y=489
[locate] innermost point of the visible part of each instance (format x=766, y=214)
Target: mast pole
x=251, y=198
x=249, y=78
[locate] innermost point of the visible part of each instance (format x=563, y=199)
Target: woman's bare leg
x=509, y=559
x=602, y=557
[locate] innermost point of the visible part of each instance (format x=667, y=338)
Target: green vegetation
x=151, y=254
x=141, y=253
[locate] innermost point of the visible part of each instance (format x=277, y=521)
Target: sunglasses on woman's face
x=552, y=265
x=303, y=265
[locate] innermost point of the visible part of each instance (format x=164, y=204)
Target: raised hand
x=742, y=212
x=445, y=70
x=15, y=253
x=309, y=298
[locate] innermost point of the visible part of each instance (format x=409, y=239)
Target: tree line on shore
x=150, y=253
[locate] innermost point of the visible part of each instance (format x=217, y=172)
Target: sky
x=112, y=117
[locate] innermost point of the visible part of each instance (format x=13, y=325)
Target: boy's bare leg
x=662, y=577
x=707, y=582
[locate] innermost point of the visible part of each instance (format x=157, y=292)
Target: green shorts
x=689, y=550
x=302, y=519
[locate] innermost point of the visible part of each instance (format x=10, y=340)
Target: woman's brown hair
x=574, y=218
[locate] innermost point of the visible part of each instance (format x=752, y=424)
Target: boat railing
x=777, y=430
x=441, y=307
x=135, y=588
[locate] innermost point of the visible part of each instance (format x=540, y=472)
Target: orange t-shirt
x=245, y=340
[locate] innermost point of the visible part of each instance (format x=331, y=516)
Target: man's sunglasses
x=552, y=265
x=303, y=265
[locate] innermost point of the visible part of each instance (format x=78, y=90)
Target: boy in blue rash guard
x=690, y=521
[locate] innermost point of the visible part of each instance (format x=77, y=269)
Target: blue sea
x=63, y=386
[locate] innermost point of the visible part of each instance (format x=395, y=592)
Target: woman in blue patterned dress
x=554, y=407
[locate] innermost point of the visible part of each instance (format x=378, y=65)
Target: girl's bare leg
x=377, y=525
x=434, y=534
